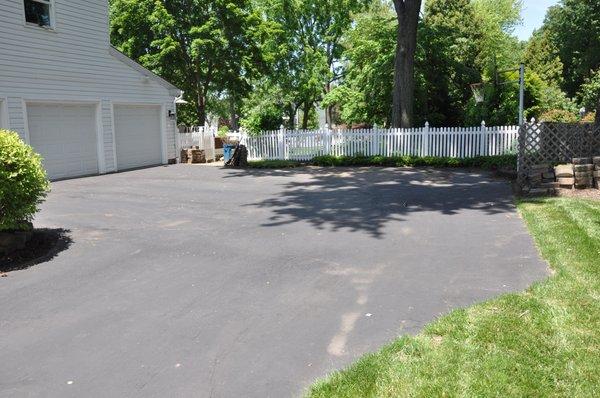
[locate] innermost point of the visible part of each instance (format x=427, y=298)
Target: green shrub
x=559, y=116
x=223, y=131
x=23, y=182
x=589, y=117
x=273, y=164
x=482, y=162
x=485, y=162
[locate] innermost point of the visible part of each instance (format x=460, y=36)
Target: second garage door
x=137, y=136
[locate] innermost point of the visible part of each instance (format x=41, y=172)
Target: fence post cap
x=532, y=120
x=483, y=123
x=427, y=124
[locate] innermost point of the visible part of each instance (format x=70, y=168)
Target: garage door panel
x=65, y=136
x=138, y=136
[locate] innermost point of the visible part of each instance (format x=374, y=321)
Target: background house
x=84, y=106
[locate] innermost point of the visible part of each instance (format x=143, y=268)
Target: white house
x=84, y=106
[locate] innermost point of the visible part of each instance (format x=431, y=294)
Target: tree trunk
x=201, y=108
x=328, y=108
x=306, y=114
x=407, y=12
x=290, y=113
x=232, y=114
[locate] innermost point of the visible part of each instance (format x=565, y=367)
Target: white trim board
x=4, y=113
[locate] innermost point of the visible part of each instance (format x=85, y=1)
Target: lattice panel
x=553, y=143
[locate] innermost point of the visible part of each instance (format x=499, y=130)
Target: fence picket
x=303, y=145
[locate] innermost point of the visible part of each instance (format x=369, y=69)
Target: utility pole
x=521, y=93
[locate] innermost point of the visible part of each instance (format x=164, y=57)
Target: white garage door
x=137, y=136
x=65, y=136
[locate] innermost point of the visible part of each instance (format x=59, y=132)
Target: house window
x=39, y=12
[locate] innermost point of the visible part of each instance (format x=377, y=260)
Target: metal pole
x=521, y=93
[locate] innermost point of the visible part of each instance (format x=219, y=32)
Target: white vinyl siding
x=138, y=136
x=72, y=63
x=66, y=137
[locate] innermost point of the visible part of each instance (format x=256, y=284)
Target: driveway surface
x=190, y=281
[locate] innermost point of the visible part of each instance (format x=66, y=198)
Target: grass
x=544, y=342
x=486, y=162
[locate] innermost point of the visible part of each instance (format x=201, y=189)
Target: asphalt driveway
x=187, y=281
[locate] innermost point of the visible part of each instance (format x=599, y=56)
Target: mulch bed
x=44, y=245
x=592, y=193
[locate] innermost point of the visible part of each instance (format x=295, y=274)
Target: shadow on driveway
x=44, y=245
x=365, y=199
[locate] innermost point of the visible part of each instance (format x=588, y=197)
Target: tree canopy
x=272, y=62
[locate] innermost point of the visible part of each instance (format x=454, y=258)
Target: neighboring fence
x=427, y=141
x=554, y=143
x=197, y=136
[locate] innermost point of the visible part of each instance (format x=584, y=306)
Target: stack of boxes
x=193, y=155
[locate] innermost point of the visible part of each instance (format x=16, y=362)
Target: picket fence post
x=425, y=141
x=483, y=141
x=281, y=143
x=177, y=146
x=375, y=141
x=327, y=138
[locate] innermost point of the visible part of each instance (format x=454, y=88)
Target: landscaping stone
x=582, y=160
x=564, y=170
x=583, y=167
x=583, y=174
x=566, y=181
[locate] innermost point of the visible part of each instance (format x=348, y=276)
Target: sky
x=533, y=15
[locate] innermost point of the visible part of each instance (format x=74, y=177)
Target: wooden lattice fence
x=555, y=143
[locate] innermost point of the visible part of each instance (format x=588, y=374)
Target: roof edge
x=173, y=90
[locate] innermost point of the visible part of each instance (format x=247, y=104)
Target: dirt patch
x=44, y=245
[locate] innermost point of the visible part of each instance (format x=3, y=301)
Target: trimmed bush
x=23, y=182
x=483, y=162
x=273, y=164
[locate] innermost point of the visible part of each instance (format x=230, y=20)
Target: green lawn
x=544, y=342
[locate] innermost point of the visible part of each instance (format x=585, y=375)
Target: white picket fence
x=202, y=137
x=426, y=141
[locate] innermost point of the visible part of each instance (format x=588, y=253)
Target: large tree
x=459, y=42
x=448, y=49
x=573, y=26
x=407, y=13
x=364, y=94
x=208, y=48
x=305, y=48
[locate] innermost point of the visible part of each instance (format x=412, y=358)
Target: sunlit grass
x=542, y=342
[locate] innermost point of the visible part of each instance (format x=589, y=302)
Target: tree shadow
x=366, y=199
x=44, y=245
